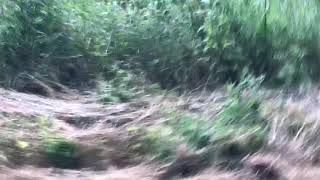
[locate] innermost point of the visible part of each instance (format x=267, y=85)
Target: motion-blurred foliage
x=237, y=130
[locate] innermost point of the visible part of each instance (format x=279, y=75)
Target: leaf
x=133, y=129
x=22, y=144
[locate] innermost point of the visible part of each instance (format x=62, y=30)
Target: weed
x=119, y=88
x=61, y=153
x=159, y=141
x=124, y=86
x=238, y=130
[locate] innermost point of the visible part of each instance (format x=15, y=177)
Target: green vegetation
x=175, y=43
x=34, y=40
x=238, y=130
x=240, y=122
x=121, y=88
x=125, y=86
x=61, y=153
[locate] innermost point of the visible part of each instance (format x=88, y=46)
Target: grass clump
x=238, y=129
x=240, y=123
x=124, y=86
x=241, y=115
x=61, y=153
x=119, y=88
x=160, y=141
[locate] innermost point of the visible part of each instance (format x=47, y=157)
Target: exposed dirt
x=100, y=130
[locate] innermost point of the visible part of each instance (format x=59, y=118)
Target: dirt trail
x=77, y=112
x=102, y=132
x=33, y=105
x=101, y=129
x=81, y=119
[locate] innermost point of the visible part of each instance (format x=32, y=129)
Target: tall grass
x=183, y=43
x=192, y=43
x=35, y=39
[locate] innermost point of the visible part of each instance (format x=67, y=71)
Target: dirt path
x=83, y=120
x=101, y=132
x=77, y=113
x=100, y=129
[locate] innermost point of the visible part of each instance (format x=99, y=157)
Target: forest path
x=102, y=132
x=82, y=119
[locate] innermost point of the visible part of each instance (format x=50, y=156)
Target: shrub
x=61, y=153
x=117, y=90
x=159, y=141
x=35, y=39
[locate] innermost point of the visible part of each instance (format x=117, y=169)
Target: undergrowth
x=238, y=130
x=125, y=86
x=61, y=153
x=174, y=43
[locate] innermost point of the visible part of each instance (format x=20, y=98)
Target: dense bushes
x=36, y=40
x=191, y=42
x=182, y=43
